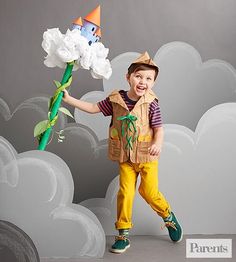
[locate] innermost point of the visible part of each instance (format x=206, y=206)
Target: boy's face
x=140, y=81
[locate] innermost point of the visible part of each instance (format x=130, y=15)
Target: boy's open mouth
x=141, y=88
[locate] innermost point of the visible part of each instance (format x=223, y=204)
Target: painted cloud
x=197, y=176
x=186, y=86
x=36, y=195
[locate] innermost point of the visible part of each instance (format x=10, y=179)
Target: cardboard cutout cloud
x=38, y=199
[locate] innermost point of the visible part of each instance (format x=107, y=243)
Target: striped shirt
x=154, y=110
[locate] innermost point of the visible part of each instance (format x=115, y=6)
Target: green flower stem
x=45, y=136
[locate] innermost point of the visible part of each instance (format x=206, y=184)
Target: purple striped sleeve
x=155, y=114
x=105, y=106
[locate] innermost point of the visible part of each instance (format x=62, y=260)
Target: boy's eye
x=149, y=78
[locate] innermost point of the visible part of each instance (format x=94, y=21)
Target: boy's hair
x=138, y=66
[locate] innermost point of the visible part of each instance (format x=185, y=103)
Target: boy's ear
x=127, y=77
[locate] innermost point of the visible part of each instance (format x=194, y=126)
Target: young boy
x=135, y=141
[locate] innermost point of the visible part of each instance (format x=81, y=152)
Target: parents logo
x=209, y=248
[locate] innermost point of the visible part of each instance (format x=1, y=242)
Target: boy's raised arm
x=82, y=105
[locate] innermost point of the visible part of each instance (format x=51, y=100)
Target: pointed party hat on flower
x=94, y=16
x=145, y=59
x=78, y=21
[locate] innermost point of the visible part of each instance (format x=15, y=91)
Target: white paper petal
x=72, y=46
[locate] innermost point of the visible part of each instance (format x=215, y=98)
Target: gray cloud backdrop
x=206, y=29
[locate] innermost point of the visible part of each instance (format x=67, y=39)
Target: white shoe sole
x=117, y=251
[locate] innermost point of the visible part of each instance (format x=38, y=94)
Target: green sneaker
x=120, y=245
x=174, y=228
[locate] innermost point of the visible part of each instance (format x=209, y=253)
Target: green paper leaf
x=66, y=111
x=50, y=103
x=57, y=83
x=40, y=128
x=68, y=83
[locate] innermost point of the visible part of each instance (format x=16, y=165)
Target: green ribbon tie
x=128, y=121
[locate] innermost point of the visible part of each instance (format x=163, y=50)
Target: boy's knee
x=143, y=193
x=147, y=195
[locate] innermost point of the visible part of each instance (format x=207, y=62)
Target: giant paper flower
x=72, y=46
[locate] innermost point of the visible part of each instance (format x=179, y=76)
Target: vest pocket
x=143, y=148
x=143, y=155
x=114, y=148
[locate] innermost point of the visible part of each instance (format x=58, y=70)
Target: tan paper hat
x=145, y=59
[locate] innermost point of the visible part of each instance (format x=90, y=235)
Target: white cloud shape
x=36, y=191
x=186, y=86
x=72, y=46
x=196, y=174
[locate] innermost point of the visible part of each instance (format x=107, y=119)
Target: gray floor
x=153, y=249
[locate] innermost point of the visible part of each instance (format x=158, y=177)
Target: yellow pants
x=148, y=189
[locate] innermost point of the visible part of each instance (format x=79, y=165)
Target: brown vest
x=130, y=142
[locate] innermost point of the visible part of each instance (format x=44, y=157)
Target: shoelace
x=121, y=238
x=169, y=224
